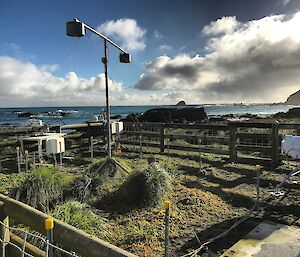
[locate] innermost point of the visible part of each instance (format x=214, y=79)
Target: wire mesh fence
x=27, y=237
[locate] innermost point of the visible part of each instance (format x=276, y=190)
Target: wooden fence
x=65, y=235
x=245, y=142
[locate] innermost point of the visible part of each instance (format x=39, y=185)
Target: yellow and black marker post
x=49, y=225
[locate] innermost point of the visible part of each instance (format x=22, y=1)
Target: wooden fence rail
x=65, y=235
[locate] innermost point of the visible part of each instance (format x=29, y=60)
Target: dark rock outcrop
x=170, y=115
x=249, y=116
x=25, y=114
x=294, y=99
x=116, y=117
x=181, y=103
x=291, y=113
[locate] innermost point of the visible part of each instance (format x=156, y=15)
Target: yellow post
x=26, y=160
x=49, y=225
x=167, y=205
x=18, y=158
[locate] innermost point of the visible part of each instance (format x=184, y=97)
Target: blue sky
x=178, y=51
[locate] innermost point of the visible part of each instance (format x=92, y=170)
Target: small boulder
x=25, y=114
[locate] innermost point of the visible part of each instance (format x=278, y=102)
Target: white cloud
x=157, y=34
x=23, y=83
x=125, y=31
x=284, y=2
x=15, y=47
x=165, y=48
x=253, y=61
x=224, y=25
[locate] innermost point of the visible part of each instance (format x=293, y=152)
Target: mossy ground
x=206, y=199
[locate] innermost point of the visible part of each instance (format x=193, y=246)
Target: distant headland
x=294, y=99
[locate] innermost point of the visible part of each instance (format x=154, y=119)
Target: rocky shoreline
x=196, y=115
x=180, y=114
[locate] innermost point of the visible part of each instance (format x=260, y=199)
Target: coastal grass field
x=206, y=197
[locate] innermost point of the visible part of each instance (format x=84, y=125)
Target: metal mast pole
x=105, y=62
x=76, y=28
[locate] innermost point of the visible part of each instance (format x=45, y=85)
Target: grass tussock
x=42, y=188
x=96, y=184
x=82, y=217
x=144, y=188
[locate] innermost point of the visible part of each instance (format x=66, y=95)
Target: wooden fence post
x=232, y=143
x=162, y=138
x=4, y=231
x=275, y=144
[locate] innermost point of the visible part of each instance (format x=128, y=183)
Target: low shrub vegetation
x=144, y=188
x=42, y=188
x=83, y=217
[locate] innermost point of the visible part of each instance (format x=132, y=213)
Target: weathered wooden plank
x=216, y=139
x=76, y=135
x=29, y=248
x=254, y=148
x=10, y=143
x=253, y=125
x=144, y=133
x=67, y=236
x=81, y=125
x=289, y=125
x=254, y=161
x=18, y=131
x=196, y=126
x=130, y=142
x=196, y=149
x=249, y=135
x=143, y=124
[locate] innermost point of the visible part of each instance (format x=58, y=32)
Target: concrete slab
x=268, y=239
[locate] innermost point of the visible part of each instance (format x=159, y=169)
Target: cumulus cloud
x=126, y=31
x=224, y=25
x=24, y=83
x=252, y=61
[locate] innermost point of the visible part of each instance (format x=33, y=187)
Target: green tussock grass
x=82, y=217
x=95, y=184
x=42, y=188
x=145, y=188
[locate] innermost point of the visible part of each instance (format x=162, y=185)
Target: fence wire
x=46, y=244
x=267, y=203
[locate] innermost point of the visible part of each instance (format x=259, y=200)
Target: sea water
x=9, y=116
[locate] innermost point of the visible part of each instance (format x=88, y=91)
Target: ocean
x=50, y=115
